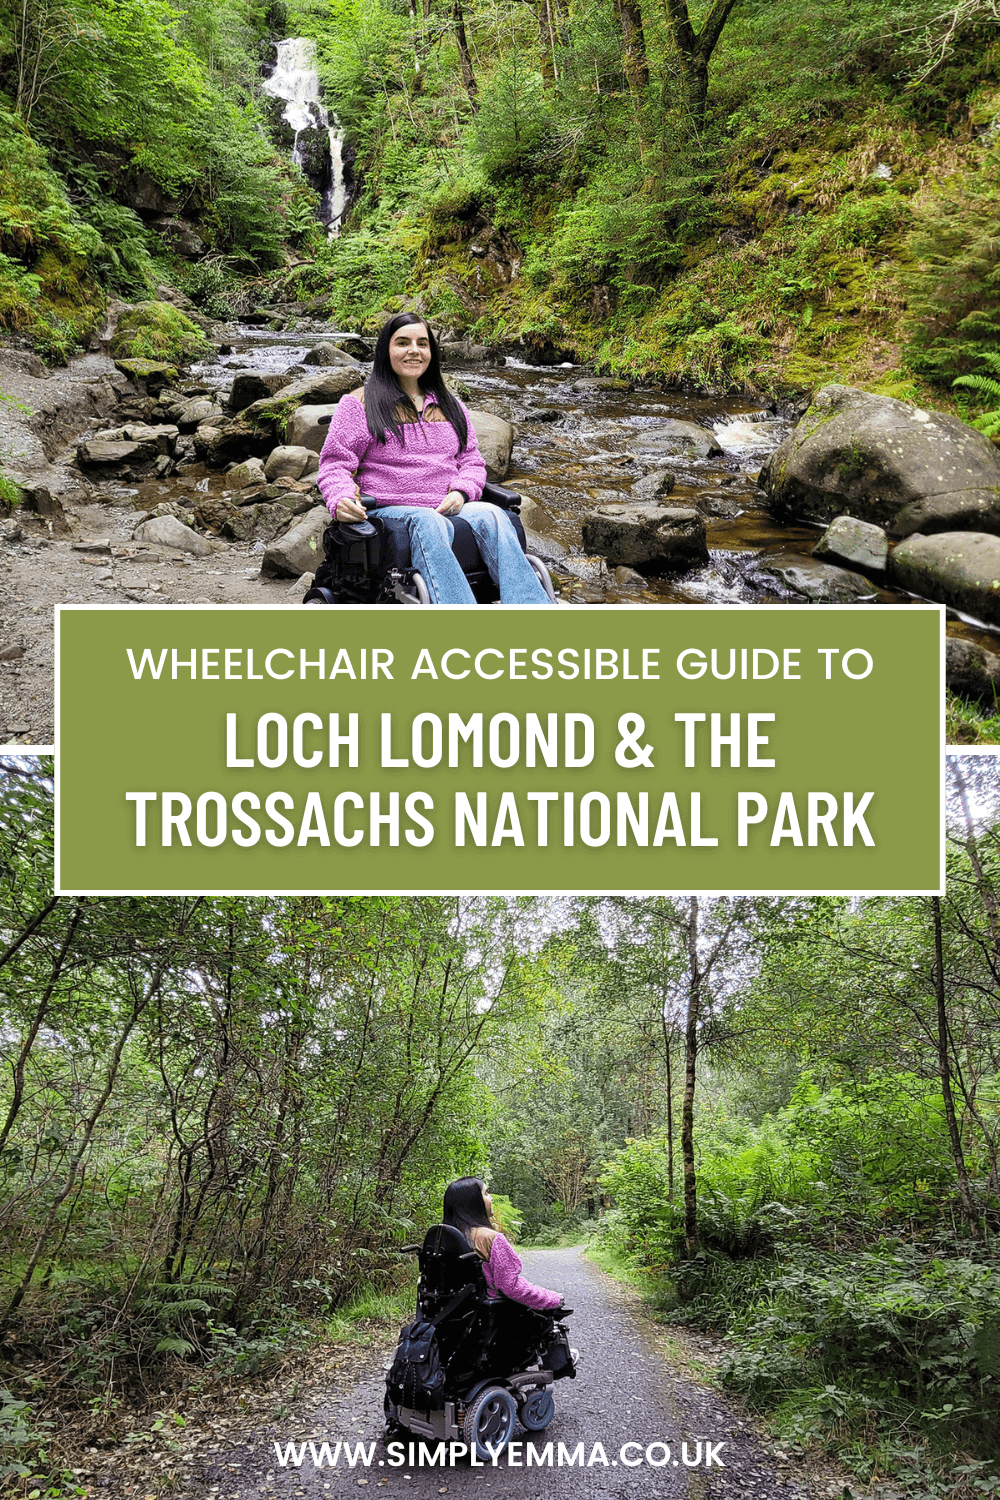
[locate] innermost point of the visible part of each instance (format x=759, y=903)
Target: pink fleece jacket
x=421, y=470
x=503, y=1274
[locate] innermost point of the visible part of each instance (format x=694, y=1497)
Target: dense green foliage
x=109, y=108
x=219, y=1117
x=761, y=239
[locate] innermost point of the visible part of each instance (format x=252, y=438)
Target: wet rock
x=495, y=438
x=99, y=454
x=534, y=514
x=300, y=550
x=883, y=461
x=150, y=375
x=167, y=531
x=650, y=537
x=971, y=671
x=652, y=486
x=311, y=390
x=255, y=387
x=628, y=578
x=600, y=383
x=291, y=462
x=159, y=439
x=960, y=568
x=463, y=352
x=231, y=442
x=328, y=354
x=214, y=514
x=309, y=425
x=543, y=414
x=356, y=347
x=249, y=472
x=683, y=438
x=193, y=413
x=11, y=531
x=545, y=547
x=856, y=543
x=722, y=507
x=813, y=582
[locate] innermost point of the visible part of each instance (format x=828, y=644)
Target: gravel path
x=625, y=1392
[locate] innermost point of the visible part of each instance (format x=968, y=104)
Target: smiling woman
x=406, y=445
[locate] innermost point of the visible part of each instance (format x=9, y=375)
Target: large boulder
x=103, y=454
x=290, y=462
x=651, y=538
x=202, y=409
x=250, y=472
x=495, y=438
x=251, y=386
x=309, y=390
x=898, y=466
x=804, y=579
x=233, y=441
x=150, y=375
x=300, y=550
x=329, y=354
x=309, y=425
x=683, y=439
x=160, y=332
x=960, y=568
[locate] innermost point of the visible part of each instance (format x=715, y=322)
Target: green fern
x=989, y=389
x=175, y=1346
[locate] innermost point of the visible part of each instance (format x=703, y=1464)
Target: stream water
x=575, y=450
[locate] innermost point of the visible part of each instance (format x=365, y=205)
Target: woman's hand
x=452, y=503
x=351, y=509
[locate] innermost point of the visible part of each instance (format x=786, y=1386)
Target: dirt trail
x=626, y=1391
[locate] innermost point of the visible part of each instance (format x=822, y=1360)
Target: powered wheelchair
x=470, y=1366
x=368, y=562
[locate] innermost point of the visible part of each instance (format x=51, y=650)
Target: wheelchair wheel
x=490, y=1418
x=423, y=593
x=542, y=574
x=318, y=596
x=537, y=1410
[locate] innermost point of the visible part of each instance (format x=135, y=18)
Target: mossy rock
x=159, y=332
x=154, y=374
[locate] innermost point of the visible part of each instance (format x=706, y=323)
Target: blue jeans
x=430, y=550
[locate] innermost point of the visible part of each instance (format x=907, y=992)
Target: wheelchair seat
x=370, y=563
x=470, y=1366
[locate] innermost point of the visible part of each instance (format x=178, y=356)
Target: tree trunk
x=690, y=1069
x=944, y=1071
x=696, y=48
x=468, y=76
x=670, y=1111
x=634, y=48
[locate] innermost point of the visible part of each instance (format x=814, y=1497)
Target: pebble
x=11, y=653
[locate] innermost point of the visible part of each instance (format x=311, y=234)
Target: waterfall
x=296, y=80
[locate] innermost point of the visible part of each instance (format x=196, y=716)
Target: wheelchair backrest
x=448, y=1263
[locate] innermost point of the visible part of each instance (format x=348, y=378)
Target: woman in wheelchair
x=469, y=1209
x=406, y=433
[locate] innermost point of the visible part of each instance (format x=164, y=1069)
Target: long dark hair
x=384, y=395
x=464, y=1208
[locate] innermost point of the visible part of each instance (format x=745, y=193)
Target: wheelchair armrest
x=504, y=499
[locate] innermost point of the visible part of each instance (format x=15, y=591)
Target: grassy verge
x=968, y=724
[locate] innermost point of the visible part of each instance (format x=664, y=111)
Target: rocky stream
x=156, y=486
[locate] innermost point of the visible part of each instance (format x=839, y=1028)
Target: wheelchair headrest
x=445, y=1239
